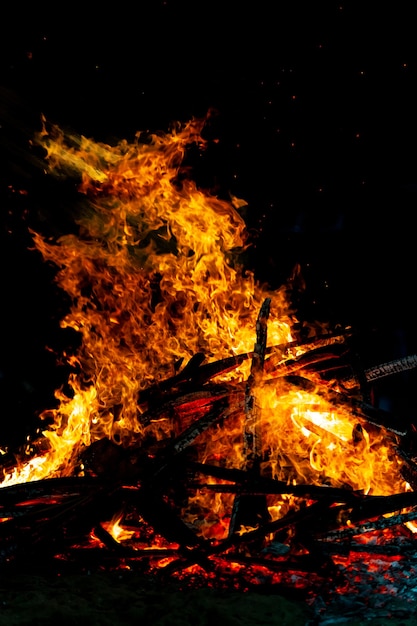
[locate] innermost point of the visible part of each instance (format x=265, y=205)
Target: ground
x=124, y=598
x=121, y=599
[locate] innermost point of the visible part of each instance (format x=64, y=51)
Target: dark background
x=315, y=112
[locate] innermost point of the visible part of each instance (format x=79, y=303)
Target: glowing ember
x=116, y=531
x=154, y=277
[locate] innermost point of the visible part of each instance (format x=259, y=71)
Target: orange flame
x=153, y=276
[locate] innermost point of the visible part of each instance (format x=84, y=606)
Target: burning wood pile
x=261, y=461
x=132, y=506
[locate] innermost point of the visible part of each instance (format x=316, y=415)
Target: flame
x=153, y=275
x=311, y=441
x=116, y=530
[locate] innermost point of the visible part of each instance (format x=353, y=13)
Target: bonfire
x=200, y=434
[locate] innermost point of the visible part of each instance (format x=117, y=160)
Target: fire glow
x=154, y=279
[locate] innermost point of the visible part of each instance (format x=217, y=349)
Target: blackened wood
x=360, y=507
x=167, y=522
x=252, y=445
x=374, y=506
x=193, y=401
x=47, y=488
x=309, y=520
x=345, y=547
x=250, y=537
x=390, y=368
x=242, y=479
x=149, y=466
x=251, y=510
x=253, y=487
x=48, y=529
x=363, y=378
x=187, y=381
x=367, y=509
x=195, y=374
x=380, y=524
x=218, y=411
x=409, y=469
x=329, y=360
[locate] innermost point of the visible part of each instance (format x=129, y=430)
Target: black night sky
x=315, y=111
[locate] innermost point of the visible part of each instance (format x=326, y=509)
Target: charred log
x=251, y=510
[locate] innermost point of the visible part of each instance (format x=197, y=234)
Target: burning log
x=391, y=367
x=197, y=373
x=193, y=403
x=33, y=524
x=251, y=510
x=409, y=469
x=243, y=481
x=249, y=537
x=54, y=522
x=378, y=524
x=252, y=445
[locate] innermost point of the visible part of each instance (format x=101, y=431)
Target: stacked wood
x=66, y=520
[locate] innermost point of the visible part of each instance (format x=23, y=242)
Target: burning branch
x=252, y=444
x=250, y=510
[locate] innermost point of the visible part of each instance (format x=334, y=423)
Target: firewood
x=219, y=410
x=329, y=360
x=146, y=481
x=44, y=529
x=250, y=510
x=251, y=435
x=188, y=380
x=191, y=402
x=249, y=537
x=366, y=509
x=195, y=374
x=380, y=524
x=241, y=479
x=347, y=546
x=382, y=370
x=409, y=469
x=45, y=491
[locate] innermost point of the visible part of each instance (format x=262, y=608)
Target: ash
x=379, y=582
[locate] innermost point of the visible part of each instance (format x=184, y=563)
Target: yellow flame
x=154, y=277
x=117, y=531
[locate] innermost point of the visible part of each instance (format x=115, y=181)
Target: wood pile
x=64, y=523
